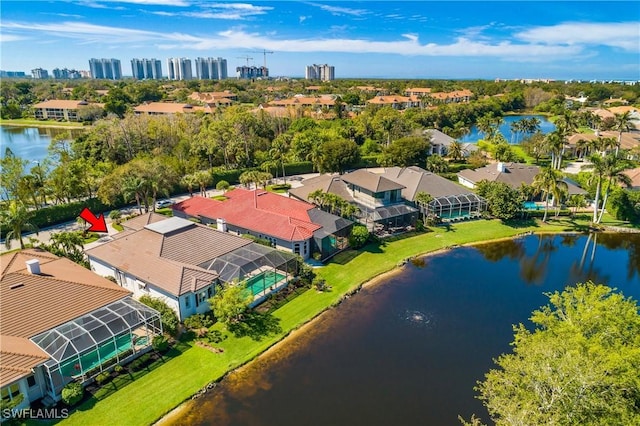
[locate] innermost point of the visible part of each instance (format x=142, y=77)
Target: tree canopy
x=580, y=366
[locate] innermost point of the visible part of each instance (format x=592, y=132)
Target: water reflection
x=534, y=266
x=411, y=352
x=31, y=143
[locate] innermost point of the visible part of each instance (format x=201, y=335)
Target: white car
x=164, y=203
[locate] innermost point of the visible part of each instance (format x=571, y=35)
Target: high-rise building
x=12, y=74
x=179, y=69
x=319, y=72
x=150, y=69
x=39, y=73
x=64, y=74
x=247, y=72
x=110, y=69
x=211, y=68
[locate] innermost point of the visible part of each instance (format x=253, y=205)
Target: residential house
x=288, y=224
x=214, y=99
x=182, y=262
x=59, y=323
x=378, y=199
x=634, y=176
x=629, y=141
x=62, y=110
x=441, y=142
x=450, y=200
x=396, y=101
x=513, y=174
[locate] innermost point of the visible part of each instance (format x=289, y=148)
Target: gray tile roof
x=371, y=181
x=514, y=174
x=330, y=223
x=327, y=183
x=416, y=179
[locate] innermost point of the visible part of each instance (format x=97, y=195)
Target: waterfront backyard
x=149, y=397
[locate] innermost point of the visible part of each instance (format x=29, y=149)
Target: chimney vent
x=33, y=266
x=501, y=167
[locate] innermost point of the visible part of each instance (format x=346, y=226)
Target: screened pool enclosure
x=263, y=268
x=455, y=207
x=87, y=345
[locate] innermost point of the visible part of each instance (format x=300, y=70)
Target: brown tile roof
x=208, y=97
x=623, y=109
x=142, y=220
x=634, y=175
x=32, y=304
x=65, y=104
x=628, y=140
x=169, y=261
x=66, y=289
x=371, y=181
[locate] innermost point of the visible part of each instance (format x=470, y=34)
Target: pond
x=410, y=350
x=546, y=126
x=30, y=143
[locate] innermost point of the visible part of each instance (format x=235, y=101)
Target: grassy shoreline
x=27, y=122
x=149, y=398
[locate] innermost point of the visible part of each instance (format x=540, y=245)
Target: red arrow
x=98, y=224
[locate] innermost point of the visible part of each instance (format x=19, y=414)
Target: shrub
x=168, y=316
x=72, y=393
x=359, y=236
x=118, y=369
x=102, y=377
x=223, y=185
x=320, y=284
x=140, y=362
x=160, y=343
x=115, y=215
x=317, y=255
x=198, y=321
x=215, y=336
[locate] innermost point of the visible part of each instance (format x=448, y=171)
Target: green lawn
x=32, y=122
x=149, y=397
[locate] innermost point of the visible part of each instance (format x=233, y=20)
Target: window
x=31, y=381
x=9, y=393
x=187, y=301
x=209, y=292
x=202, y=297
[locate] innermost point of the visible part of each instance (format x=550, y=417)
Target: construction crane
x=248, y=58
x=264, y=52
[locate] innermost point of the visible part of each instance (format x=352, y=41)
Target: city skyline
x=410, y=39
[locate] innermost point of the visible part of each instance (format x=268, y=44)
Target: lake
x=545, y=127
x=409, y=351
x=30, y=143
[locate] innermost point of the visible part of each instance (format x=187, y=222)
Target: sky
x=369, y=39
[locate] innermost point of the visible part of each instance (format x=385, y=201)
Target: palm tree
x=423, y=199
x=190, y=181
x=597, y=164
x=623, y=123
x=455, y=150
x=546, y=182
x=436, y=164
x=15, y=219
x=554, y=143
x=613, y=172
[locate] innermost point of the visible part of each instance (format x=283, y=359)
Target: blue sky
x=369, y=39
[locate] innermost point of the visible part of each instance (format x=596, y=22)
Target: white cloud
x=337, y=11
x=177, y=3
x=624, y=35
x=301, y=19
x=5, y=38
x=532, y=45
x=223, y=11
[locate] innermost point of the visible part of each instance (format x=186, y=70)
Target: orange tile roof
x=304, y=101
x=258, y=211
x=167, y=108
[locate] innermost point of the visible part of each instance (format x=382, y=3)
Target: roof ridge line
x=74, y=282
